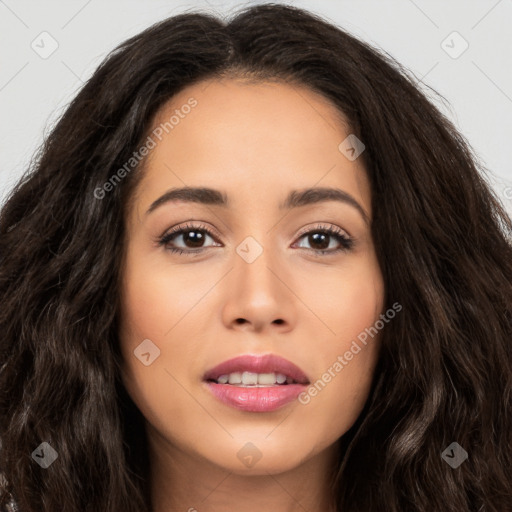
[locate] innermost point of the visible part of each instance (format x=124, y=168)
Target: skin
x=255, y=142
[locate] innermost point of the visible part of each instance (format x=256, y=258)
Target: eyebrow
x=295, y=199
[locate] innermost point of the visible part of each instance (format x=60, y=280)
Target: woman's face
x=256, y=285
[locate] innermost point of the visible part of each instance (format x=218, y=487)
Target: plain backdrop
x=462, y=49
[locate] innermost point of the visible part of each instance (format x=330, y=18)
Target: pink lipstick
x=256, y=383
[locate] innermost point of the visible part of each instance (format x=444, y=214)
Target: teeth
x=249, y=378
x=254, y=379
x=235, y=378
x=264, y=378
x=280, y=378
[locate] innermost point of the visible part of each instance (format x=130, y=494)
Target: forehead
x=267, y=109
x=242, y=136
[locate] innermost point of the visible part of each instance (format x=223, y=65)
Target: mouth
x=256, y=383
x=254, y=380
x=256, y=370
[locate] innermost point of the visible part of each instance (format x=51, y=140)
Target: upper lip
x=267, y=363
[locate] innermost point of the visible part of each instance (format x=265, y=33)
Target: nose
x=258, y=295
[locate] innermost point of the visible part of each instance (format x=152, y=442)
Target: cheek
x=338, y=393
x=350, y=306
x=161, y=303
x=147, y=311
x=156, y=295
x=346, y=300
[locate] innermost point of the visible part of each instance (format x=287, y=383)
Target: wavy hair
x=442, y=237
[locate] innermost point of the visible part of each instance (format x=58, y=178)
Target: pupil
x=315, y=239
x=195, y=239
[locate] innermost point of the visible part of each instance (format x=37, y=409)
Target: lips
x=263, y=364
x=283, y=382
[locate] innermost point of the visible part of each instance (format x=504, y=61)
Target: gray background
x=477, y=84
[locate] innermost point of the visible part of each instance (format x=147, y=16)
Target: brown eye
x=320, y=240
x=191, y=239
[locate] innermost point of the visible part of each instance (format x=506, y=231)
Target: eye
x=322, y=236
x=192, y=236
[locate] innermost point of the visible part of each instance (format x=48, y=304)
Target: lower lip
x=253, y=399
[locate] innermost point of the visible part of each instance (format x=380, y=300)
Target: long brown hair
x=442, y=236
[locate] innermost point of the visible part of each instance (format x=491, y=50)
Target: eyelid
x=324, y=226
x=213, y=232
x=345, y=239
x=191, y=225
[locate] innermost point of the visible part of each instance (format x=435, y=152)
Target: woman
x=254, y=268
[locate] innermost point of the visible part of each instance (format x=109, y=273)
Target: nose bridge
x=256, y=295
x=258, y=281
x=255, y=265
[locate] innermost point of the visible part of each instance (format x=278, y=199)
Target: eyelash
x=346, y=242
